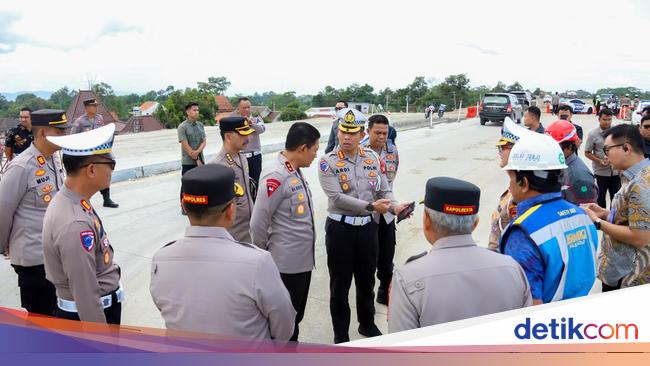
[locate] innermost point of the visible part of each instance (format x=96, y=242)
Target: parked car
x=636, y=116
x=579, y=106
x=525, y=97
x=548, y=98
x=495, y=107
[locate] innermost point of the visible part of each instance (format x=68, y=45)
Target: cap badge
x=349, y=117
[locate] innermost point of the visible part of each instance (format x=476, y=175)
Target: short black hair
x=644, y=118
x=569, y=145
x=626, y=132
x=190, y=105
x=377, y=119
x=73, y=164
x=26, y=109
x=301, y=133
x=566, y=107
x=534, y=111
x=344, y=103
x=550, y=184
x=200, y=212
x=605, y=112
x=242, y=99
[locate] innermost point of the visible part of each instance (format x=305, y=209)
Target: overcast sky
x=282, y=45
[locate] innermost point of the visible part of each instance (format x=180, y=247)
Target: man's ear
x=231, y=211
x=426, y=221
x=476, y=221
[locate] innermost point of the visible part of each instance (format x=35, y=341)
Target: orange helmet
x=562, y=131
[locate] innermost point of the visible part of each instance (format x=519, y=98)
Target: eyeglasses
x=337, y=108
x=646, y=127
x=111, y=163
x=607, y=148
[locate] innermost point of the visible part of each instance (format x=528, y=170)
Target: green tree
x=215, y=85
x=102, y=90
x=515, y=86
x=172, y=112
x=62, y=98
x=454, y=89
x=499, y=88
x=31, y=101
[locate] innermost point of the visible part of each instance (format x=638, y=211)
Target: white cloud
x=303, y=46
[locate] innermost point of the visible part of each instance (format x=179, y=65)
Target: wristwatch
x=597, y=223
x=370, y=207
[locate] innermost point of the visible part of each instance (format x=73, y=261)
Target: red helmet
x=562, y=131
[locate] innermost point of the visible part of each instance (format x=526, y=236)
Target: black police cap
x=208, y=185
x=91, y=101
x=452, y=196
x=50, y=118
x=241, y=125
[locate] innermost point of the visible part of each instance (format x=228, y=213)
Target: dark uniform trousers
x=254, y=171
x=37, y=294
x=298, y=286
x=611, y=184
x=386, y=239
x=184, y=169
x=112, y=313
x=351, y=251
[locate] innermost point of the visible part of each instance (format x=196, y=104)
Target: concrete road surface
x=149, y=216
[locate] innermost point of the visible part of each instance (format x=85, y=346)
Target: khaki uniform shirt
x=351, y=182
x=207, y=282
x=26, y=189
x=505, y=212
x=84, y=123
x=78, y=254
x=455, y=280
x=390, y=158
x=240, y=229
x=257, y=123
x=283, y=218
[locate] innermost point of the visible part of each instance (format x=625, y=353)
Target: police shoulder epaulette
x=168, y=244
x=411, y=259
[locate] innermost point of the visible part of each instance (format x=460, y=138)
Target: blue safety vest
x=567, y=240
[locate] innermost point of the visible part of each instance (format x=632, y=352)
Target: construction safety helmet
x=536, y=152
x=562, y=131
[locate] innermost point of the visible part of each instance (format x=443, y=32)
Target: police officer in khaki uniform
x=28, y=185
x=456, y=279
x=354, y=181
x=78, y=254
x=283, y=216
x=207, y=281
x=91, y=120
x=378, y=141
x=235, y=132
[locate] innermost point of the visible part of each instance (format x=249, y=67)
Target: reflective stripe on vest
x=567, y=240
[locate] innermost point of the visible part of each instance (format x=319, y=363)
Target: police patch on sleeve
x=87, y=240
x=324, y=167
x=272, y=185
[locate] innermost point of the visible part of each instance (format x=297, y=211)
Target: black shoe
x=369, y=331
x=382, y=296
x=341, y=339
x=109, y=203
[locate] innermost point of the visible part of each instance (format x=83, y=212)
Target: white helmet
x=536, y=152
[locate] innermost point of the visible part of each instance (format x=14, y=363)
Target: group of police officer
x=258, y=254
